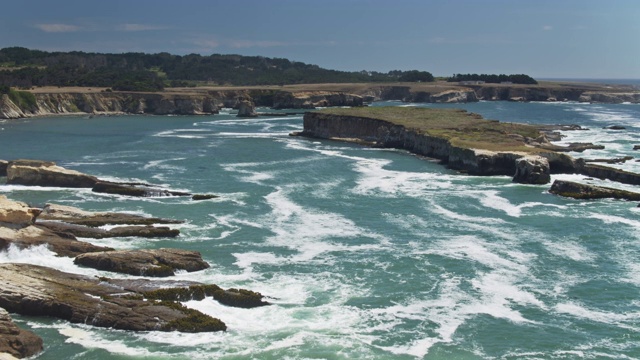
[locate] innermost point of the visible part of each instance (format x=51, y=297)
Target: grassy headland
x=461, y=128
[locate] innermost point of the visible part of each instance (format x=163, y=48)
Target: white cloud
x=55, y=28
x=139, y=27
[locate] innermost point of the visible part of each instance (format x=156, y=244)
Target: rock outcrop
x=582, y=191
x=77, y=216
x=532, y=170
x=138, y=190
x=46, y=173
x=16, y=213
x=154, y=263
x=609, y=173
x=40, y=291
x=119, y=231
x=314, y=99
x=15, y=341
x=3, y=167
x=60, y=243
x=193, y=102
x=385, y=134
x=246, y=108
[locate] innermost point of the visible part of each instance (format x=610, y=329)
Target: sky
x=541, y=38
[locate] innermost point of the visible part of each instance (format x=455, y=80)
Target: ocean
x=364, y=253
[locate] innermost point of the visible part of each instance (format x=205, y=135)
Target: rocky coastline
x=137, y=304
x=209, y=101
x=531, y=161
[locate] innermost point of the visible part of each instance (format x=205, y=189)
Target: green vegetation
x=193, y=292
x=194, y=321
x=24, y=99
x=462, y=129
x=494, y=79
x=150, y=72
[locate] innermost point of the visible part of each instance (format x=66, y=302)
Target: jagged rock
x=181, y=290
x=16, y=213
x=9, y=110
x=40, y=291
x=97, y=233
x=239, y=298
x=582, y=191
x=613, y=174
x=133, y=190
x=46, y=173
x=60, y=243
x=156, y=262
x=532, y=170
x=198, y=197
x=73, y=215
x=576, y=147
x=454, y=96
x=636, y=147
x=3, y=167
x=16, y=341
x=619, y=160
x=246, y=109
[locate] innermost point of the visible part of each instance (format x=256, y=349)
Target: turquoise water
x=364, y=253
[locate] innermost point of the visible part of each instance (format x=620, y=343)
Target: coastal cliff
x=454, y=93
x=196, y=102
x=481, y=153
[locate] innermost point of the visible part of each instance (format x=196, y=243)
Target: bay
x=365, y=253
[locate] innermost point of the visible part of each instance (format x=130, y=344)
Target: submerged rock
x=133, y=190
x=583, y=191
x=155, y=262
x=15, y=341
x=40, y=291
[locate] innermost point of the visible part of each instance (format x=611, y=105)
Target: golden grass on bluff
x=461, y=128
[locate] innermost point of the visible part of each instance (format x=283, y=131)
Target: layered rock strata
x=15, y=341
x=151, y=262
x=40, y=291
x=385, y=134
x=582, y=191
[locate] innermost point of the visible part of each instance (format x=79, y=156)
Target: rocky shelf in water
x=48, y=174
x=460, y=140
x=126, y=304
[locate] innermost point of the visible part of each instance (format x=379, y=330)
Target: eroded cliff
x=480, y=153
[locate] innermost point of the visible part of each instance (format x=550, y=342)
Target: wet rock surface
x=46, y=173
x=40, y=291
x=15, y=341
x=144, y=262
x=582, y=191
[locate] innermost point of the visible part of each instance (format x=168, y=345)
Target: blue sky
x=561, y=38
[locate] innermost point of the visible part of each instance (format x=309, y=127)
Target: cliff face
x=384, y=134
x=473, y=93
x=164, y=104
x=405, y=94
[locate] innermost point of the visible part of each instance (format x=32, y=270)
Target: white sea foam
x=90, y=339
x=42, y=256
x=607, y=317
x=569, y=249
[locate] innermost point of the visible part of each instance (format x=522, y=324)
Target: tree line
x=494, y=79
x=24, y=68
